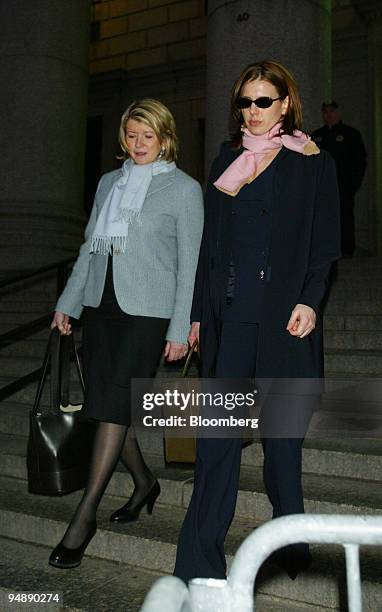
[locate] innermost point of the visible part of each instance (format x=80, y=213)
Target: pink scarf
x=243, y=169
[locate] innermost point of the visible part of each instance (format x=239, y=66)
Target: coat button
x=261, y=274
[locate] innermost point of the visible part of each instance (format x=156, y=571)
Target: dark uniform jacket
x=304, y=240
x=345, y=145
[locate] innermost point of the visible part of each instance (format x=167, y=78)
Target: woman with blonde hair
x=271, y=232
x=133, y=281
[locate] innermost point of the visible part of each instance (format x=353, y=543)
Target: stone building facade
x=149, y=48
x=185, y=52
x=159, y=48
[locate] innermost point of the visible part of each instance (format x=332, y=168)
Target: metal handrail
x=27, y=329
x=23, y=331
x=22, y=277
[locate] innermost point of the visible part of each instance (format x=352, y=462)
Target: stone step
x=44, y=290
x=353, y=306
x=40, y=296
x=339, y=363
x=11, y=325
x=14, y=417
x=359, y=263
x=358, y=273
x=347, y=419
x=151, y=544
x=11, y=320
x=33, y=307
x=34, y=346
x=367, y=407
x=335, y=336
x=362, y=362
x=353, y=340
x=353, y=458
x=327, y=494
x=348, y=288
x=26, y=396
x=14, y=367
x=28, y=303
x=357, y=362
x=354, y=323
x=98, y=585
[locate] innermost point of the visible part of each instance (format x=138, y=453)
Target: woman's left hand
x=174, y=351
x=302, y=321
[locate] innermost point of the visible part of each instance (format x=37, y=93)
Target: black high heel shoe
x=65, y=558
x=292, y=565
x=130, y=512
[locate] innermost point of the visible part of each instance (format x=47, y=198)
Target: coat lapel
x=161, y=181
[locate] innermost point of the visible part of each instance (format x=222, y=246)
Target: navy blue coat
x=304, y=241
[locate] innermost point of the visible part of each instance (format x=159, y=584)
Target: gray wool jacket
x=155, y=276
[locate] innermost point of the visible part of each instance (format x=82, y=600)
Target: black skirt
x=116, y=348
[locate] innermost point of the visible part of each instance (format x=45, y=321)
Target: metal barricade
x=169, y=594
x=236, y=593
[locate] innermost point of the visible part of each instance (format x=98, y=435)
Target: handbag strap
x=65, y=354
x=78, y=365
x=192, y=349
x=44, y=371
x=55, y=371
x=69, y=348
x=58, y=354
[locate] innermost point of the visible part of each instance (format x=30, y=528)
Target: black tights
x=110, y=444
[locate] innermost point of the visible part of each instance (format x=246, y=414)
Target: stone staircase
x=340, y=475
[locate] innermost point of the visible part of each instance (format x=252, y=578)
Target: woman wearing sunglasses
x=271, y=232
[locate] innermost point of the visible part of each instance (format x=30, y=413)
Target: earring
x=161, y=153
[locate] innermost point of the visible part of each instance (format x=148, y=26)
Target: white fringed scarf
x=123, y=205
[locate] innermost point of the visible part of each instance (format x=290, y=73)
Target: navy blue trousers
x=200, y=551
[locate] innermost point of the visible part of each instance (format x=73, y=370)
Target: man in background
x=346, y=146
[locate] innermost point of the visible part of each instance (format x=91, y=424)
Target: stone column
x=374, y=20
x=296, y=33
x=43, y=107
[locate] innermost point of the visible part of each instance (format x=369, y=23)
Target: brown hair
x=157, y=116
x=285, y=84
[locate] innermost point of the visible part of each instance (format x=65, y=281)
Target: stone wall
x=353, y=90
x=155, y=48
x=158, y=48
x=134, y=34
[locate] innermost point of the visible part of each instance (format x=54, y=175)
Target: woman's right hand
x=194, y=333
x=61, y=320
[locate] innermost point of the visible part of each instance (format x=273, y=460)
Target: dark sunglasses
x=263, y=102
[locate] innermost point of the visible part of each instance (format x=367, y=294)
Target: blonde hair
x=157, y=116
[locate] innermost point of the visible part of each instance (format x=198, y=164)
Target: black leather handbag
x=60, y=440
